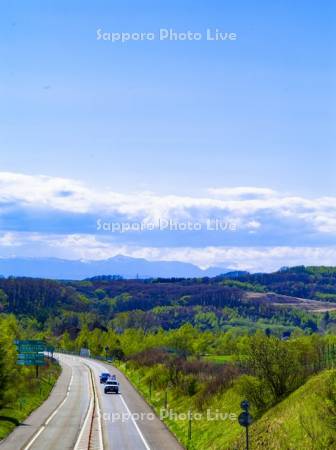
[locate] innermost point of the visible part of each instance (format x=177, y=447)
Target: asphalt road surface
x=126, y=422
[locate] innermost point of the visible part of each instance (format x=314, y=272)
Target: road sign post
x=245, y=419
x=30, y=353
x=166, y=399
x=169, y=385
x=189, y=425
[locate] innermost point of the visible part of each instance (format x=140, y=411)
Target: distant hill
x=217, y=303
x=123, y=266
x=312, y=282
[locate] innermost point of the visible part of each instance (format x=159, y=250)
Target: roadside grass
x=214, y=428
x=31, y=393
x=296, y=422
x=293, y=424
x=220, y=359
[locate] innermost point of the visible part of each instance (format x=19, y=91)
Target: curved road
x=125, y=420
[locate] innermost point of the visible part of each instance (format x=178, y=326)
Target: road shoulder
x=27, y=429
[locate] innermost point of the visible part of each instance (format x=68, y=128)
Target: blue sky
x=181, y=119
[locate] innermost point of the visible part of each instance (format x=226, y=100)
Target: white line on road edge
x=135, y=424
x=52, y=415
x=87, y=417
x=93, y=405
x=100, y=430
x=129, y=412
x=96, y=363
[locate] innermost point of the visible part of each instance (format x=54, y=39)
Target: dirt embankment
x=291, y=302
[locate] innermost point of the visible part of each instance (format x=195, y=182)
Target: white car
x=111, y=387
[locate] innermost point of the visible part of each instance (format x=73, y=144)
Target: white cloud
x=289, y=220
x=241, y=204
x=242, y=191
x=253, y=224
x=9, y=240
x=244, y=258
x=88, y=247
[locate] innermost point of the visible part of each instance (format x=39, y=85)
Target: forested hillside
x=308, y=282
x=207, y=303
x=121, y=304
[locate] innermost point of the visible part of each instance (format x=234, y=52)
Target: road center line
x=100, y=367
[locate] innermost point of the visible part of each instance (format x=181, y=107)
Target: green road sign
x=30, y=352
x=30, y=362
x=30, y=346
x=31, y=359
x=31, y=349
x=31, y=355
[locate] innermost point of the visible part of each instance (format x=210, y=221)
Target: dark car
x=104, y=377
x=111, y=387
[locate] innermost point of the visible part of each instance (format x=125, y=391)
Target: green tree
x=274, y=362
x=8, y=331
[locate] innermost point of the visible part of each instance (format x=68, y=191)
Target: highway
x=78, y=415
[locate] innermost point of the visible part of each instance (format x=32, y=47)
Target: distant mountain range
x=124, y=266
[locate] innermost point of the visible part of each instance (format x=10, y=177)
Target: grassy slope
x=280, y=428
x=32, y=393
x=206, y=434
x=287, y=425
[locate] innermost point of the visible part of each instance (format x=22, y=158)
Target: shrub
x=255, y=391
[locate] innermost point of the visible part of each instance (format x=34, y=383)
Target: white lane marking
x=135, y=424
x=100, y=429
x=99, y=365
x=91, y=409
x=61, y=404
x=34, y=438
x=96, y=390
x=52, y=415
x=128, y=411
x=88, y=415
